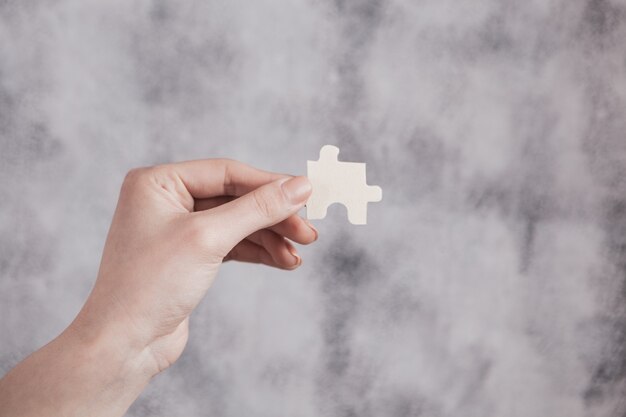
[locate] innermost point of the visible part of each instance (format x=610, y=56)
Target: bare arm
x=173, y=227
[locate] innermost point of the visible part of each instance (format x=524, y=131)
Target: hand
x=173, y=227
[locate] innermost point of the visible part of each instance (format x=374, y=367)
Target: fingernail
x=294, y=253
x=308, y=223
x=297, y=189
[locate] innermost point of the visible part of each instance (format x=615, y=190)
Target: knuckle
x=130, y=180
x=230, y=167
x=225, y=161
x=226, y=164
x=132, y=174
x=135, y=175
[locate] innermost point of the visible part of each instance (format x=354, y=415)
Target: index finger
x=206, y=178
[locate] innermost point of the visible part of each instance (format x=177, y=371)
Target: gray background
x=488, y=282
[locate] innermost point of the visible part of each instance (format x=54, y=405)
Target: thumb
x=261, y=208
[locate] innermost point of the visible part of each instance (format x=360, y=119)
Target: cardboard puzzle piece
x=339, y=182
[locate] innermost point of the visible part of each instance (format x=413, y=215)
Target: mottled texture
x=489, y=282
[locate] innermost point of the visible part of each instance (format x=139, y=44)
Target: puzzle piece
x=339, y=182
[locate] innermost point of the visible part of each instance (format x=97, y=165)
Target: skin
x=173, y=227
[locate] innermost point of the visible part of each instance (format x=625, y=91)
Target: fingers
x=297, y=229
x=216, y=177
x=261, y=208
x=209, y=203
x=282, y=251
x=248, y=251
x=294, y=227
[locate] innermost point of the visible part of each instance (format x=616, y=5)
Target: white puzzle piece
x=339, y=182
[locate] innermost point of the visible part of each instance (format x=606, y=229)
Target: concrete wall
x=490, y=280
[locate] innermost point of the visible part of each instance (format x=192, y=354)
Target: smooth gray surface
x=490, y=280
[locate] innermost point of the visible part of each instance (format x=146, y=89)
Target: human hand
x=173, y=227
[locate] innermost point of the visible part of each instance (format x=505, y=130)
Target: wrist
x=102, y=341
x=84, y=371
x=106, y=324
x=124, y=357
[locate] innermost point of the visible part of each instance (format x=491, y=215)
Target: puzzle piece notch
x=341, y=182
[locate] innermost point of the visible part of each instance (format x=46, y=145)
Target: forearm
x=173, y=227
x=76, y=374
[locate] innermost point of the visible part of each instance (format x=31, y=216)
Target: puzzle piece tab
x=339, y=182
